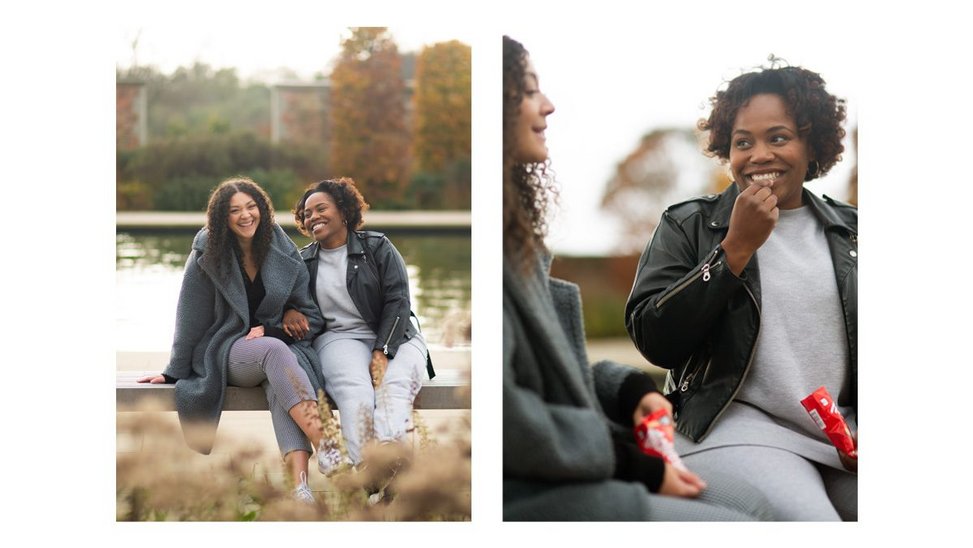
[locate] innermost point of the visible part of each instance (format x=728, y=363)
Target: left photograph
x=293, y=275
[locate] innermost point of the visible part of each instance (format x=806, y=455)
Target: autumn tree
x=369, y=129
x=666, y=166
x=442, y=128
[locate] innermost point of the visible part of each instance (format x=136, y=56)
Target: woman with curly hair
x=372, y=353
x=241, y=273
x=569, y=452
x=744, y=345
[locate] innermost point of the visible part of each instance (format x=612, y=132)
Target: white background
x=912, y=90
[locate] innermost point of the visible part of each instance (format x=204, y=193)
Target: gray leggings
x=268, y=362
x=798, y=489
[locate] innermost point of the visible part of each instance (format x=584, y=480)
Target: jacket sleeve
x=677, y=298
x=544, y=440
x=194, y=316
x=620, y=388
x=396, y=306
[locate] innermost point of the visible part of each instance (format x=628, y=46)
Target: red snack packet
x=823, y=409
x=655, y=435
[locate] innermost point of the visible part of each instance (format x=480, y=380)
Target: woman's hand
x=378, y=366
x=295, y=324
x=152, y=379
x=680, y=483
x=753, y=218
x=849, y=463
x=650, y=403
x=255, y=332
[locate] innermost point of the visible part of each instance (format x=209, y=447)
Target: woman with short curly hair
x=371, y=351
x=744, y=345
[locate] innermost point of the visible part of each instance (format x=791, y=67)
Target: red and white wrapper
x=655, y=435
x=823, y=409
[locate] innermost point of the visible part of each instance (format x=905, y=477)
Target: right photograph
x=680, y=285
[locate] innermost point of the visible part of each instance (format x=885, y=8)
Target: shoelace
x=303, y=491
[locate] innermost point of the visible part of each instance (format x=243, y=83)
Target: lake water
x=149, y=267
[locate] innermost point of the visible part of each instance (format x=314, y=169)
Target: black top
x=255, y=295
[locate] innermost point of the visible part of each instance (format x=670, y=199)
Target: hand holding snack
x=655, y=437
x=823, y=409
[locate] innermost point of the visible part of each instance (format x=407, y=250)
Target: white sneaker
x=303, y=492
x=329, y=456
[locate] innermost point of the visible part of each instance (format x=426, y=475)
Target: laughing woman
x=241, y=273
x=744, y=345
x=372, y=353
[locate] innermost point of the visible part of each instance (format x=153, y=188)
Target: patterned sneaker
x=303, y=492
x=329, y=456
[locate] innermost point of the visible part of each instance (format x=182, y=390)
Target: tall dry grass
x=164, y=480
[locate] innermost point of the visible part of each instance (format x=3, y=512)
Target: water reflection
x=149, y=266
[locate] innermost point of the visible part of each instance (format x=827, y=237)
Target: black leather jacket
x=378, y=285
x=690, y=314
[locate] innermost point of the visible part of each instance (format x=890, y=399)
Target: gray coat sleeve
x=194, y=316
x=544, y=440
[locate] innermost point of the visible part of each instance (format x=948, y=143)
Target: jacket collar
x=825, y=209
x=355, y=246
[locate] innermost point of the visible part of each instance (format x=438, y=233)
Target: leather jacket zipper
x=385, y=349
x=746, y=370
x=703, y=272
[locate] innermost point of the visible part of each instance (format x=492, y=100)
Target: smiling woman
x=744, y=345
x=241, y=272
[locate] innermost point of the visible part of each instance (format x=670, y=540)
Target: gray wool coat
x=212, y=313
x=558, y=457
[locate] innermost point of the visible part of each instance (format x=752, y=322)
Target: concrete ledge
x=449, y=390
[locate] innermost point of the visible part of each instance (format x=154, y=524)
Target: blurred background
x=624, y=146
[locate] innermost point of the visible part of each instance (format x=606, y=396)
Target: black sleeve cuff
x=169, y=379
x=631, y=464
x=633, y=389
x=277, y=333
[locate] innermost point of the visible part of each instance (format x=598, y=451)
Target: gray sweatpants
x=798, y=489
x=270, y=363
x=385, y=412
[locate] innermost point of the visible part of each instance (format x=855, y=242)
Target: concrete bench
x=449, y=390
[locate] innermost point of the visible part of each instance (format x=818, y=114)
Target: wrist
x=737, y=256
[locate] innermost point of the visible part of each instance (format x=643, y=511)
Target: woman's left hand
x=650, y=403
x=255, y=332
x=378, y=366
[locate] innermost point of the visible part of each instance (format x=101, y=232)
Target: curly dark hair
x=346, y=196
x=817, y=114
x=221, y=239
x=528, y=189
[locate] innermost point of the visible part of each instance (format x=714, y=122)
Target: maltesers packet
x=655, y=437
x=823, y=409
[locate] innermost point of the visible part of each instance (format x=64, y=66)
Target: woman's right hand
x=680, y=483
x=753, y=218
x=152, y=379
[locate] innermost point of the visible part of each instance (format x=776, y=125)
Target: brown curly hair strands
x=817, y=114
x=346, y=196
x=221, y=239
x=528, y=189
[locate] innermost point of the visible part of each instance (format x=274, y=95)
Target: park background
x=913, y=144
